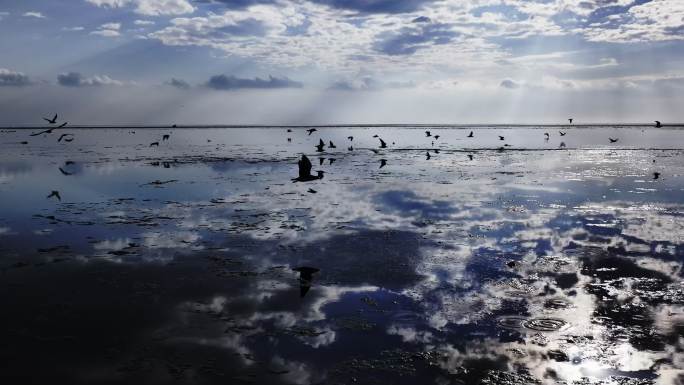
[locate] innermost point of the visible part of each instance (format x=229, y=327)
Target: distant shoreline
x=417, y=126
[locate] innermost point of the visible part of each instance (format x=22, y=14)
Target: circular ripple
x=544, y=324
x=511, y=322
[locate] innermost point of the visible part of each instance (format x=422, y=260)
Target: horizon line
x=342, y=125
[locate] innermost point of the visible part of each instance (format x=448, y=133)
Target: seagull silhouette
x=546, y=134
x=305, y=171
x=289, y=130
x=613, y=140
x=289, y=139
x=376, y=136
x=332, y=145
x=48, y=131
x=54, y=194
x=51, y=121
x=63, y=125
x=427, y=155
x=63, y=136
x=320, y=145
x=656, y=175
x=570, y=120
x=331, y=161
x=501, y=137
x=64, y=172
x=427, y=133
x=436, y=137
x=351, y=138
x=658, y=125
x=312, y=191
x=470, y=135
x=562, y=133
x=383, y=163
x=166, y=137
x=561, y=145
x=350, y=148
x=311, y=131
x=154, y=144
x=320, y=161
x=305, y=278
x=470, y=156
x=382, y=143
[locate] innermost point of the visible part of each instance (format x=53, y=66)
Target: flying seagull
x=562, y=133
x=470, y=156
x=436, y=137
x=63, y=136
x=51, y=121
x=54, y=194
x=613, y=140
x=382, y=143
x=332, y=145
x=658, y=125
x=63, y=125
x=427, y=155
x=154, y=144
x=166, y=137
x=311, y=131
x=351, y=138
x=383, y=163
x=546, y=134
x=376, y=136
x=501, y=137
x=289, y=139
x=427, y=133
x=48, y=131
x=320, y=145
x=656, y=175
x=350, y=148
x=320, y=161
x=305, y=171
x=311, y=191
x=331, y=161
x=64, y=172
x=289, y=130
x=471, y=134
x=570, y=120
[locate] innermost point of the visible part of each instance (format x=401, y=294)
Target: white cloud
x=150, y=7
x=37, y=15
x=143, y=22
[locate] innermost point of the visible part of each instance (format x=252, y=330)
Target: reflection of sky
x=445, y=266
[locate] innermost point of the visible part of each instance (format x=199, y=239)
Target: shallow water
x=529, y=263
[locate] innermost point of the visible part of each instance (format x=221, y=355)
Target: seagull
x=305, y=278
x=289, y=130
x=331, y=161
x=332, y=145
x=63, y=125
x=51, y=121
x=311, y=131
x=48, y=131
x=562, y=133
x=470, y=156
x=570, y=120
x=427, y=155
x=154, y=144
x=166, y=137
x=427, y=133
x=546, y=134
x=54, y=194
x=351, y=138
x=613, y=140
x=658, y=125
x=562, y=145
x=289, y=139
x=305, y=171
x=320, y=145
x=501, y=137
x=320, y=161
x=68, y=139
x=173, y=126
x=376, y=136
x=64, y=172
x=63, y=136
x=383, y=163
x=436, y=137
x=656, y=175
x=311, y=191
x=471, y=134
x=382, y=143
x=350, y=148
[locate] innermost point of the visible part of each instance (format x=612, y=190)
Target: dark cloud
x=12, y=78
x=76, y=79
x=376, y=6
x=223, y=82
x=408, y=40
x=421, y=19
x=178, y=83
x=510, y=84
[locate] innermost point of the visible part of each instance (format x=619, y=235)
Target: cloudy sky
x=341, y=61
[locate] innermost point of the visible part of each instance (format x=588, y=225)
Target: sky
x=341, y=61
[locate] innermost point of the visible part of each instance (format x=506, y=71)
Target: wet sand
x=532, y=263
